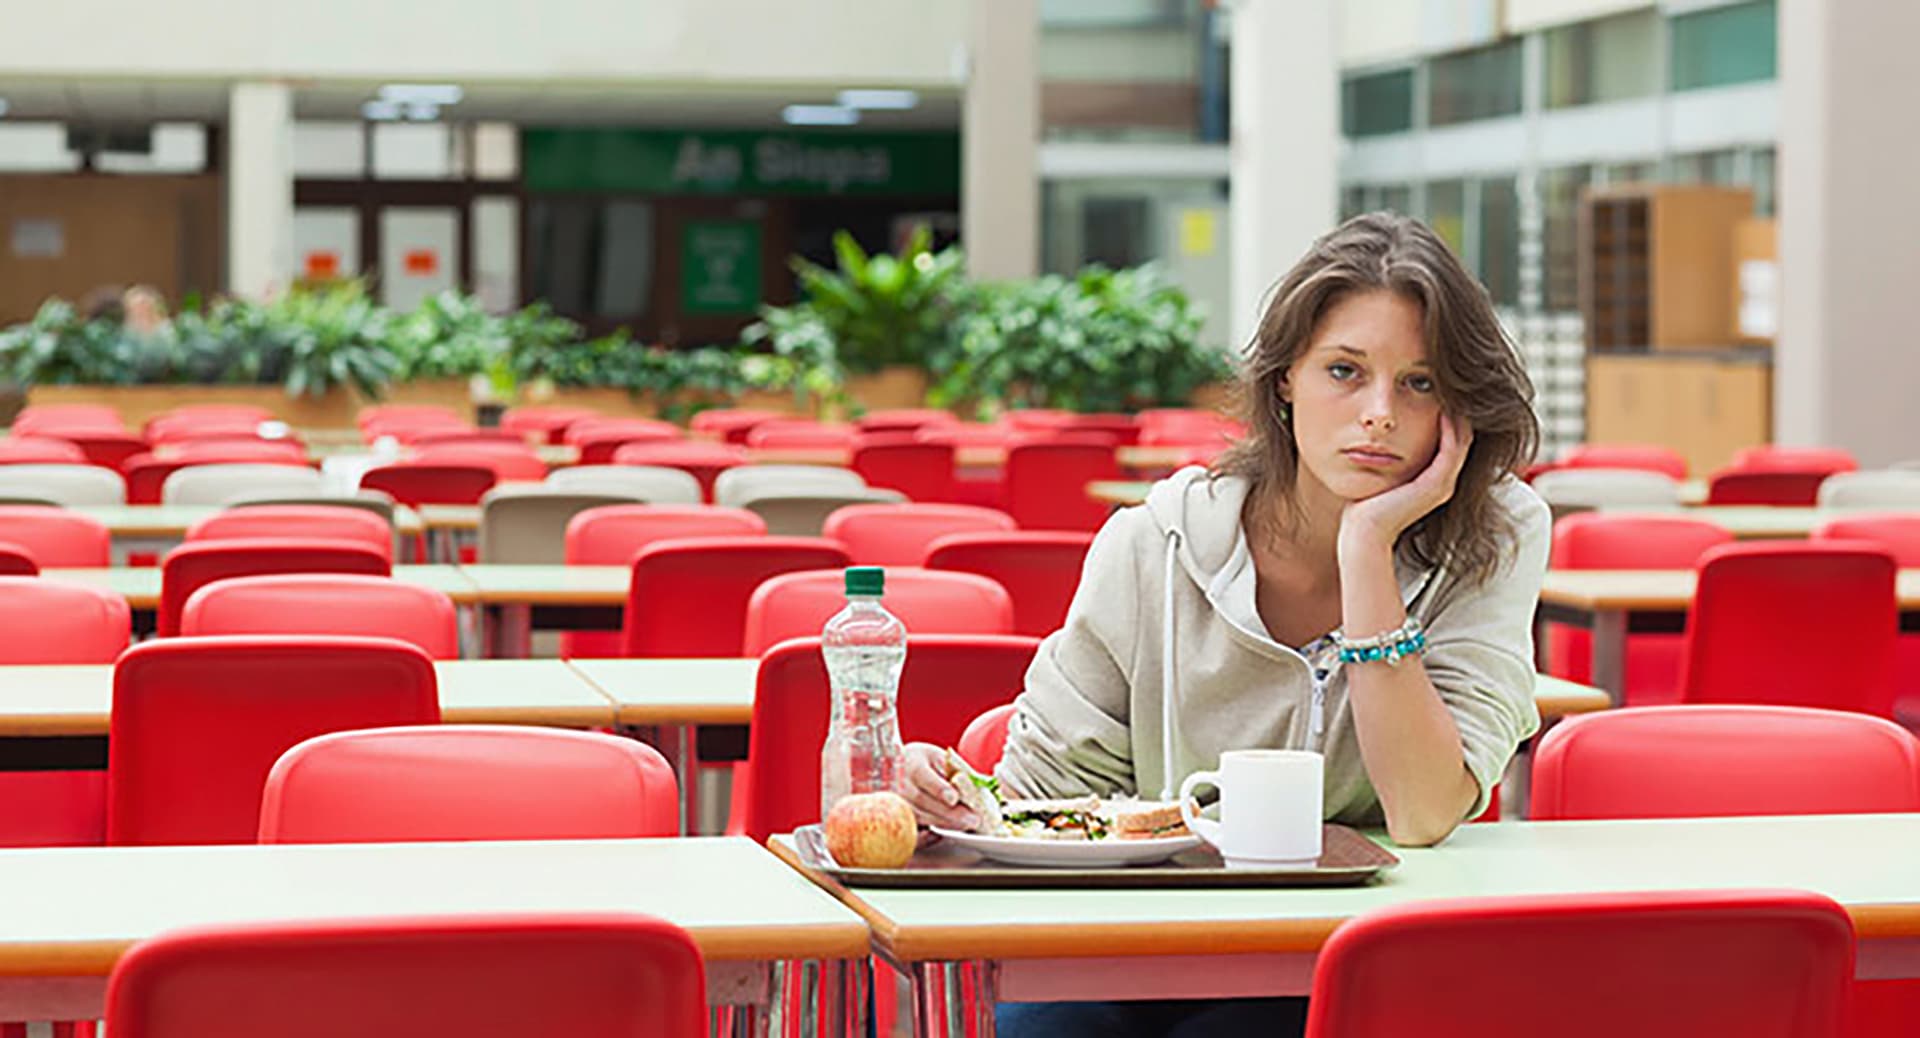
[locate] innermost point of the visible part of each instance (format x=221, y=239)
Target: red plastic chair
x=107, y=448
x=48, y=623
x=985, y=740
x=898, y=534
x=1124, y=429
x=1036, y=418
x=478, y=976
x=730, y=424
x=411, y=483
x=903, y=419
x=547, y=424
x=1705, y=761
x=37, y=418
x=1793, y=623
x=688, y=598
x=326, y=603
x=56, y=538
x=227, y=449
x=376, y=413
x=466, y=437
x=1762, y=964
x=468, y=782
x=966, y=434
x=612, y=535
x=1625, y=456
x=786, y=432
x=701, y=459
x=600, y=445
x=1899, y=535
x=147, y=475
x=1040, y=569
x=1775, y=458
x=798, y=605
x=922, y=471
x=948, y=680
x=509, y=462
x=214, y=414
x=1765, y=487
x=190, y=567
x=643, y=428
x=37, y=450
x=1602, y=540
x=331, y=522
x=403, y=428
x=198, y=722
x=16, y=561
x=1046, y=484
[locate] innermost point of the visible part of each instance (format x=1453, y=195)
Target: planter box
x=894, y=387
x=136, y=404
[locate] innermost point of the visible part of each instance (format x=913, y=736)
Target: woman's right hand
x=925, y=786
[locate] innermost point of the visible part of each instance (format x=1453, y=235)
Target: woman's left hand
x=1381, y=518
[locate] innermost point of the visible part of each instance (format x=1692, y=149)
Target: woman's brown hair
x=1476, y=371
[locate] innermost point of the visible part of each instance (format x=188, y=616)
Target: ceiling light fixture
x=819, y=115
x=421, y=111
x=880, y=100
x=380, y=111
x=422, y=93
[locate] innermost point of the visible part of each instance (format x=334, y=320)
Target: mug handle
x=1207, y=828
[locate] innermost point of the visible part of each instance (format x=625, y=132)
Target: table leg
x=929, y=1000
x=953, y=999
x=510, y=631
x=686, y=771
x=1610, y=652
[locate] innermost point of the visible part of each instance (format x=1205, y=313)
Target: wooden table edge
x=544, y=717
x=544, y=597
x=1567, y=706
x=646, y=714
x=44, y=725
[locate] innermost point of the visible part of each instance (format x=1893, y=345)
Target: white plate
x=1070, y=854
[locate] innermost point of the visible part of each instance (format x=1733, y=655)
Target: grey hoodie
x=1167, y=599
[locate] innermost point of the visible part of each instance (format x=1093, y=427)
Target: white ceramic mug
x=1270, y=807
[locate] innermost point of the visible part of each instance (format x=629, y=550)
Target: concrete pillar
x=1286, y=140
x=259, y=188
x=1000, y=140
x=1846, y=366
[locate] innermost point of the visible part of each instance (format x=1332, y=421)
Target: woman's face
x=1366, y=413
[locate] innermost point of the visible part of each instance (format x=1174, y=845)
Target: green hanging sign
x=720, y=267
x=697, y=162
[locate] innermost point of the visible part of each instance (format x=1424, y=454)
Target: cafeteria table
x=1090, y=943
x=155, y=528
x=67, y=915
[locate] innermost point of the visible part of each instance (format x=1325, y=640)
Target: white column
x=1000, y=140
x=1845, y=363
x=259, y=188
x=1286, y=139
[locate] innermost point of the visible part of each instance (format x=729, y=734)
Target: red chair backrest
x=599, y=447
x=798, y=605
x=688, y=598
x=1897, y=533
x=898, y=534
x=903, y=419
x=146, y=474
x=701, y=459
x=611, y=535
x=922, y=471
x=508, y=461
x=219, y=450
x=1626, y=456
x=784, y=432
x=1793, y=623
x=1773, y=457
x=468, y=782
x=106, y=448
x=326, y=603
x=466, y=437
x=1764, y=487
x=1046, y=484
x=403, y=428
x=469, y=975
x=35, y=418
x=16, y=561
x=55, y=537
x=1704, y=761
x=374, y=413
x=948, y=680
x=35, y=450
x=1604, y=540
x=730, y=424
x=332, y=522
x=1678, y=965
x=198, y=722
x=190, y=567
x=965, y=434
x=1124, y=429
x=1036, y=418
x=410, y=483
x=985, y=740
x=49, y=622
x=1040, y=569
x=642, y=428
x=548, y=424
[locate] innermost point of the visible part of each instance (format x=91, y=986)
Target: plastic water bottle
x=865, y=647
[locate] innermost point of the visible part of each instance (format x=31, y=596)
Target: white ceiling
x=528, y=104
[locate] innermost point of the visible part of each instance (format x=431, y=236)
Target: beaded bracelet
x=1391, y=647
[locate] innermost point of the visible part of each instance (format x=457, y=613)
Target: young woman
x=1373, y=503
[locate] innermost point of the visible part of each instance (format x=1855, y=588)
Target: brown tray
x=1346, y=859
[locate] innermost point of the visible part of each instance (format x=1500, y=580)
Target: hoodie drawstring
x=1169, y=674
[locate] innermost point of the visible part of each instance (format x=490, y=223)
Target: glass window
x=1560, y=217
x=1499, y=263
x=1609, y=59
x=1723, y=45
x=591, y=259
x=1475, y=84
x=1447, y=212
x=1703, y=167
x=1377, y=104
x=1763, y=181
x=1394, y=198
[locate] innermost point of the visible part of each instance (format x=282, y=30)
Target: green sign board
x=696, y=162
x=720, y=267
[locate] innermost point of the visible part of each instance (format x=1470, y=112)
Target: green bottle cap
x=866, y=580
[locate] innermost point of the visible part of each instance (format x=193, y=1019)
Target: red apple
x=871, y=831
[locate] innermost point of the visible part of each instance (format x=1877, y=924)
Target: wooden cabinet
x=1657, y=267
x=1704, y=406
